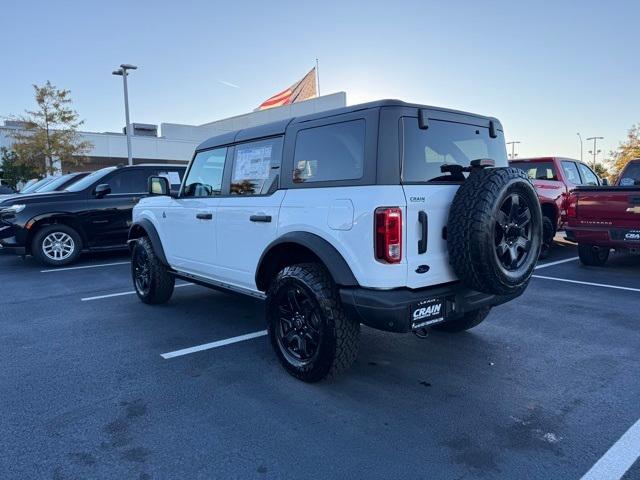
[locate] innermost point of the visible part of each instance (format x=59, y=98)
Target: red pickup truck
x=554, y=178
x=603, y=218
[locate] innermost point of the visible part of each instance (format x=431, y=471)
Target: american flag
x=301, y=90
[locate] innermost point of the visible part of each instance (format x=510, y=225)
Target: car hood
x=29, y=198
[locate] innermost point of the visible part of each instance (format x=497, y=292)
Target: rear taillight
x=571, y=204
x=388, y=234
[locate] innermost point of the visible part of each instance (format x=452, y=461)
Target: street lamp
x=122, y=71
x=580, y=136
x=595, y=150
x=513, y=149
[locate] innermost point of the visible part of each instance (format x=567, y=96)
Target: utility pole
x=513, y=149
x=595, y=150
x=580, y=137
x=122, y=71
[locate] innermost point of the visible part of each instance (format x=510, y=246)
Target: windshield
x=53, y=185
x=446, y=143
x=537, y=170
x=34, y=186
x=89, y=179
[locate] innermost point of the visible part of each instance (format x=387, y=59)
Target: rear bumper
x=610, y=238
x=390, y=310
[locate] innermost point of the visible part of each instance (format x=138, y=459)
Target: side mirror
x=159, y=186
x=604, y=182
x=102, y=190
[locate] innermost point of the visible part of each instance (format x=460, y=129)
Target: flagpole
x=317, y=76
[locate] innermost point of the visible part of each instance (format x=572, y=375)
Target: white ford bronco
x=397, y=216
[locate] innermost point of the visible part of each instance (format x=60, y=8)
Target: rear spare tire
x=494, y=232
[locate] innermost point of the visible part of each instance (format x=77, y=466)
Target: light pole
x=595, y=151
x=580, y=136
x=513, y=149
x=122, y=71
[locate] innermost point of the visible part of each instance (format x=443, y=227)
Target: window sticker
x=173, y=177
x=627, y=182
x=252, y=163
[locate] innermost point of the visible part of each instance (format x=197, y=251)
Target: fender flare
x=149, y=229
x=327, y=253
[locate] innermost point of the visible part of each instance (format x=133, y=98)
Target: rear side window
x=129, y=181
x=631, y=176
x=571, y=172
x=205, y=175
x=537, y=170
x=330, y=153
x=588, y=177
x=256, y=166
x=173, y=176
x=425, y=151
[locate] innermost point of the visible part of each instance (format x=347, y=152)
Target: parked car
x=554, y=178
x=605, y=218
x=395, y=215
x=93, y=213
x=52, y=184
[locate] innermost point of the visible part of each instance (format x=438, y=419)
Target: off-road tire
x=548, y=234
x=338, y=347
x=471, y=230
x=37, y=248
x=593, y=256
x=466, y=322
x=161, y=282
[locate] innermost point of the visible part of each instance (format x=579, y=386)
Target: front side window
x=537, y=170
x=571, y=172
x=205, y=176
x=256, y=166
x=588, y=177
x=425, y=151
x=330, y=153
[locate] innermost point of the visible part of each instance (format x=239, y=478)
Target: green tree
x=14, y=171
x=627, y=150
x=51, y=131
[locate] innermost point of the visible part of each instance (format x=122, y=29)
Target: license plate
x=427, y=312
x=632, y=236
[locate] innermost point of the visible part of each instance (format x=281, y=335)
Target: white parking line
x=208, y=346
x=120, y=294
x=619, y=458
x=84, y=266
x=587, y=283
x=551, y=264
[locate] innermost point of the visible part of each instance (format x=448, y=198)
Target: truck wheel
x=548, y=233
x=56, y=245
x=151, y=279
x=593, y=256
x=308, y=327
x=466, y=322
x=494, y=232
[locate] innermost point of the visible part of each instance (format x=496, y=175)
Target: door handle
x=204, y=216
x=260, y=218
x=424, y=228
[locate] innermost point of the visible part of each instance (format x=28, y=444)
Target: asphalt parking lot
x=92, y=386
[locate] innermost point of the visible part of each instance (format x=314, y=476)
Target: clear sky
x=547, y=69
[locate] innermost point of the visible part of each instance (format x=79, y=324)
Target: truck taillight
x=388, y=229
x=572, y=205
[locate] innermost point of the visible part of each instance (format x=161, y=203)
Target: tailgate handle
x=424, y=228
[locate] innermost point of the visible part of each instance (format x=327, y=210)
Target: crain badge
x=416, y=199
x=426, y=312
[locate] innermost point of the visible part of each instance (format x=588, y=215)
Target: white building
x=176, y=142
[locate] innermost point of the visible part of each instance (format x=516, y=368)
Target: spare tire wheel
x=495, y=231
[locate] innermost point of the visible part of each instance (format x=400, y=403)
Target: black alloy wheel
x=141, y=271
x=513, y=233
x=299, y=329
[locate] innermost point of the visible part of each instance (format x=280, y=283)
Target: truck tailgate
x=615, y=206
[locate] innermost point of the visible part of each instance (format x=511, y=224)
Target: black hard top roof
x=279, y=127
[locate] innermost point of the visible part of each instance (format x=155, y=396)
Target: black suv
x=93, y=213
